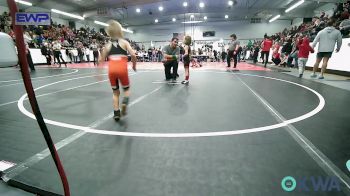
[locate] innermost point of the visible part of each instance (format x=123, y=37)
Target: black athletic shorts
x=324, y=54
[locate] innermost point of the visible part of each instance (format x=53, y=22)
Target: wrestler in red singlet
x=116, y=51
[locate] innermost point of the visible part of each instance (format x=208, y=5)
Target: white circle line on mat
x=182, y=135
x=74, y=71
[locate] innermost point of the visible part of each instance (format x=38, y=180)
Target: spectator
x=266, y=46
x=46, y=52
x=87, y=54
x=345, y=15
x=171, y=55
x=303, y=54
x=327, y=38
x=276, y=58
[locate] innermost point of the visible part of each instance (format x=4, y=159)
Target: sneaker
x=116, y=115
x=300, y=75
x=185, y=82
x=320, y=77
x=313, y=75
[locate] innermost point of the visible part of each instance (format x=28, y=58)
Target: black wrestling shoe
x=116, y=115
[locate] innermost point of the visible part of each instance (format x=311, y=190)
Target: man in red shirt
x=266, y=46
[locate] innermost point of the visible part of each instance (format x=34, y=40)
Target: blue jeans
x=290, y=59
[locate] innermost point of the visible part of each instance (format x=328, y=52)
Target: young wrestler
x=116, y=51
x=186, y=59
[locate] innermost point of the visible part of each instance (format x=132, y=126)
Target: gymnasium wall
x=3, y=9
x=329, y=9
x=297, y=21
x=243, y=29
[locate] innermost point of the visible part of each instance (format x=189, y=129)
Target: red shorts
x=118, y=71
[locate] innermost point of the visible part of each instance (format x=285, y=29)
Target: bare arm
x=186, y=50
x=132, y=54
x=237, y=46
x=236, y=49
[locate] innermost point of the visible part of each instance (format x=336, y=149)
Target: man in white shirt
x=57, y=52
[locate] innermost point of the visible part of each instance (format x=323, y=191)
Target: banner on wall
x=104, y=11
x=33, y=18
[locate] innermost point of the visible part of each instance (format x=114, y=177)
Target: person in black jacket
x=256, y=53
x=46, y=52
x=286, y=51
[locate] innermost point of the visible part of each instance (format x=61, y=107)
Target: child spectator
x=303, y=54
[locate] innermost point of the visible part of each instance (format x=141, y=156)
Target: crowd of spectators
x=80, y=40
x=285, y=43
x=71, y=39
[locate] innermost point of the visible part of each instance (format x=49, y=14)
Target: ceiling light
x=127, y=30
x=101, y=23
x=156, y=20
x=106, y=25
x=174, y=19
x=205, y=17
x=138, y=10
x=185, y=4
x=191, y=22
x=160, y=8
x=192, y=16
x=274, y=18
x=201, y=4
x=67, y=14
x=24, y=2
x=294, y=6
x=226, y=16
x=230, y=3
